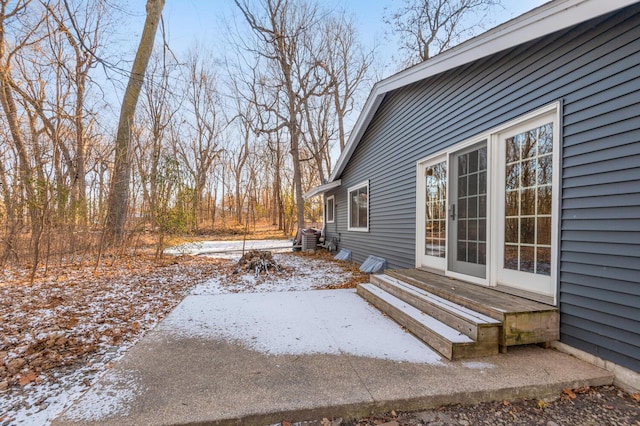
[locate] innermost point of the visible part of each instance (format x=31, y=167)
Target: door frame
x=442, y=264
x=493, y=243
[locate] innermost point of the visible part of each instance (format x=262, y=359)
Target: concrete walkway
x=264, y=358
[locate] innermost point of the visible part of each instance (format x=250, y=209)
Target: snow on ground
x=300, y=273
x=298, y=323
x=108, y=397
x=70, y=326
x=39, y=403
x=60, y=334
x=228, y=249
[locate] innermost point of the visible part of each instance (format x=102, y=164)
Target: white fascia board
x=546, y=19
x=321, y=189
x=369, y=109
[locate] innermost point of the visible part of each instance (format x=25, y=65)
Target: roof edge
x=543, y=20
x=320, y=189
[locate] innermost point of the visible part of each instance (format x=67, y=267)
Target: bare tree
x=81, y=26
x=297, y=76
x=119, y=189
x=158, y=112
x=239, y=154
x=20, y=137
x=429, y=27
x=280, y=28
x=198, y=148
x=347, y=64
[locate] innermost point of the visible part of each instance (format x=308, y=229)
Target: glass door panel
x=526, y=219
x=528, y=195
x=435, y=210
x=467, y=213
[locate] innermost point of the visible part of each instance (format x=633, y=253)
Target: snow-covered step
x=479, y=327
x=450, y=342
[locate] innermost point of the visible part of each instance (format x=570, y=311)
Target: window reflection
x=472, y=206
x=359, y=208
x=436, y=217
x=528, y=198
x=513, y=176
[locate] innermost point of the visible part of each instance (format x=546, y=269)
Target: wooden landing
x=524, y=321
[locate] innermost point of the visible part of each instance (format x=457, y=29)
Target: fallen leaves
x=27, y=378
x=75, y=312
x=636, y=397
x=571, y=394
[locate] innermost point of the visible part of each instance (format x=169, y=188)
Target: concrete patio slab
x=263, y=358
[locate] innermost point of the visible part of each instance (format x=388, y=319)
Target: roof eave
x=321, y=189
x=546, y=19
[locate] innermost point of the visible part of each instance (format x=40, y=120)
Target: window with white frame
x=359, y=207
x=330, y=209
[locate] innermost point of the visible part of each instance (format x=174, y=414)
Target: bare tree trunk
x=10, y=234
x=119, y=191
x=297, y=177
x=9, y=107
x=213, y=207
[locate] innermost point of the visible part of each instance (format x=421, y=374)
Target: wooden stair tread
x=450, y=334
x=524, y=321
x=463, y=312
x=496, y=301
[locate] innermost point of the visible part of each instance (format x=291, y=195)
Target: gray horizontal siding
x=594, y=69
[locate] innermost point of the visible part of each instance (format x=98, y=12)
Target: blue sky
x=202, y=21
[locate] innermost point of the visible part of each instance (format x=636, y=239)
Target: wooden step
x=524, y=321
x=447, y=289
x=479, y=327
x=449, y=342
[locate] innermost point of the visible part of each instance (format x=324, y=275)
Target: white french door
x=525, y=211
x=432, y=226
x=487, y=210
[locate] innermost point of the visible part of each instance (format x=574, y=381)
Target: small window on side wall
x=330, y=209
x=359, y=207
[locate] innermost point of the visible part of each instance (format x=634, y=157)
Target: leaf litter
x=58, y=335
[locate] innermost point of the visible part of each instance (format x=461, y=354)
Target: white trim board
x=321, y=189
x=364, y=184
x=333, y=209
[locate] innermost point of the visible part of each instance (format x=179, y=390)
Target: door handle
x=452, y=211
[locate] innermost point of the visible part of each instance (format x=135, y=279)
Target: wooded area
x=212, y=142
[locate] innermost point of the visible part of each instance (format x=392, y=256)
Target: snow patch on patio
x=298, y=323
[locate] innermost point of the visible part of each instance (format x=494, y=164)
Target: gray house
x=511, y=163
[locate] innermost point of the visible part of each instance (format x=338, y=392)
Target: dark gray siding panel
x=594, y=69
